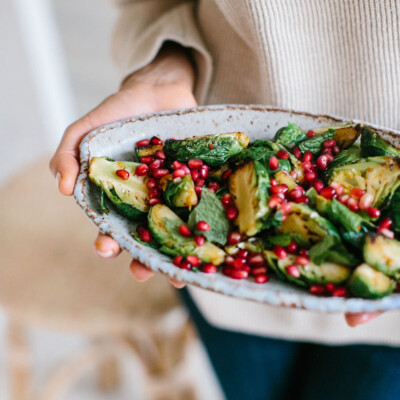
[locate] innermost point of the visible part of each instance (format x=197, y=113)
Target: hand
x=166, y=84
x=355, y=319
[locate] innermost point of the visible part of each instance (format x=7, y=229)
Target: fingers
x=140, y=271
x=177, y=284
x=355, y=319
x=106, y=247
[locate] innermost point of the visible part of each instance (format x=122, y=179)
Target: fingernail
x=105, y=254
x=58, y=179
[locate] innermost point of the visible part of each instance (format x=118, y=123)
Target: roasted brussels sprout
x=164, y=225
x=373, y=145
x=289, y=135
x=315, y=143
x=179, y=192
x=383, y=254
x=254, y=244
x=214, y=150
x=283, y=178
x=368, y=283
x=249, y=187
x=348, y=156
x=147, y=150
x=392, y=211
x=309, y=274
x=345, y=135
x=129, y=196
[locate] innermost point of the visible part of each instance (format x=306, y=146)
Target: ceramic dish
x=118, y=140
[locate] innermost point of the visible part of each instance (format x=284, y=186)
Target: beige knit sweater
x=338, y=57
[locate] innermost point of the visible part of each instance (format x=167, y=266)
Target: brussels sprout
x=254, y=244
x=307, y=223
x=368, y=283
x=179, y=192
x=283, y=178
x=392, y=211
x=249, y=187
x=216, y=174
x=129, y=196
x=214, y=150
x=379, y=176
x=309, y=274
x=315, y=143
x=164, y=225
x=147, y=150
x=383, y=254
x=345, y=135
x=289, y=135
x=373, y=145
x=348, y=156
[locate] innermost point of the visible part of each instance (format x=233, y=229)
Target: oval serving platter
x=118, y=140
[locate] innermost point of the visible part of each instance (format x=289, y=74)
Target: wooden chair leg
x=19, y=368
x=108, y=374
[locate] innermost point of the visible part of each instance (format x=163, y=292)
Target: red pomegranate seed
x=339, y=292
x=352, y=204
x=146, y=159
x=273, y=163
x=200, y=182
x=286, y=207
x=178, y=261
x=303, y=199
x=195, y=261
x=307, y=156
x=279, y=189
x=336, y=149
x=226, y=199
x=238, y=262
x=366, y=201
x=200, y=240
x=338, y=188
x=145, y=235
x=344, y=198
x=329, y=157
x=176, y=165
x=155, y=192
x=297, y=152
x=186, y=265
x=184, y=230
x=258, y=270
x=178, y=173
x=151, y=183
x=273, y=182
x=327, y=151
x=329, y=143
x=214, y=186
x=310, y=176
x=303, y=252
x=154, y=201
x=195, y=163
x=386, y=232
x=386, y=223
x=142, y=143
x=186, y=169
x=160, y=154
x=293, y=174
x=155, y=164
x=195, y=174
x=292, y=247
x=283, y=154
x=239, y=274
x=302, y=260
x=246, y=268
x=318, y=290
x=306, y=165
x=233, y=237
x=318, y=185
x=159, y=173
x=357, y=193
x=330, y=287
x=293, y=270
x=261, y=278
x=122, y=173
x=274, y=201
x=310, y=133
x=227, y=271
x=204, y=170
x=231, y=212
x=229, y=260
x=374, y=212
x=198, y=190
x=141, y=170
x=243, y=253
x=226, y=174
x=209, y=268
x=203, y=226
x=280, y=252
x=328, y=192
x=155, y=141
x=256, y=260
x=322, y=162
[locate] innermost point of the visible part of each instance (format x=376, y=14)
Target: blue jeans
x=256, y=368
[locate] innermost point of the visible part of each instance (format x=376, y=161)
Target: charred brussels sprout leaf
x=373, y=145
x=314, y=144
x=284, y=239
x=147, y=150
x=179, y=193
x=345, y=135
x=214, y=150
x=392, y=211
x=289, y=135
x=348, y=156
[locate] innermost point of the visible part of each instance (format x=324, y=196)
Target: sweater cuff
x=138, y=39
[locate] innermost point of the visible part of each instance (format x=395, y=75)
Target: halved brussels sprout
x=348, y=156
x=249, y=187
x=289, y=135
x=345, y=135
x=147, y=150
x=164, y=225
x=309, y=274
x=129, y=196
x=383, y=254
x=254, y=244
x=214, y=150
x=368, y=283
x=179, y=192
x=284, y=178
x=373, y=145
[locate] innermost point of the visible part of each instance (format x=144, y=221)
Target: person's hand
x=355, y=319
x=166, y=84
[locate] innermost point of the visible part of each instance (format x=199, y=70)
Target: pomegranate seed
x=122, y=173
x=330, y=287
x=159, y=173
x=328, y=192
x=200, y=240
x=318, y=290
x=226, y=199
x=186, y=169
x=310, y=133
x=246, y=268
x=195, y=261
x=295, y=193
x=283, y=154
x=273, y=163
x=155, y=164
x=366, y=201
x=280, y=252
x=203, y=226
x=310, y=176
x=336, y=149
x=386, y=223
x=293, y=270
x=238, y=262
x=258, y=270
x=286, y=207
x=307, y=156
x=160, y=154
x=195, y=163
x=184, y=230
x=176, y=165
x=146, y=159
x=329, y=143
x=195, y=174
x=274, y=201
x=256, y=260
x=214, y=186
x=306, y=165
x=329, y=157
x=338, y=188
x=209, y=268
x=154, y=201
x=261, y=278
x=273, y=182
x=198, y=190
x=374, y=212
x=357, y=193
x=155, y=192
x=204, y=170
x=302, y=260
x=156, y=141
x=200, y=182
x=233, y=237
x=239, y=274
x=318, y=185
x=352, y=204
x=231, y=212
x=186, y=265
x=141, y=170
x=327, y=151
x=243, y=253
x=229, y=260
x=227, y=271
x=292, y=247
x=297, y=152
x=145, y=235
x=339, y=292
x=178, y=173
x=344, y=198
x=303, y=252
x=151, y=183
x=386, y=232
x=279, y=189
x=226, y=174
x=303, y=199
x=142, y=143
x=293, y=174
x=322, y=162
x=178, y=261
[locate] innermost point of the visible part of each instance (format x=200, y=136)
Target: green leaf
x=153, y=244
x=284, y=239
x=212, y=211
x=314, y=144
x=289, y=135
x=273, y=220
x=103, y=202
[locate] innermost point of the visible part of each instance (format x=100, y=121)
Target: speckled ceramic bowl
x=118, y=140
